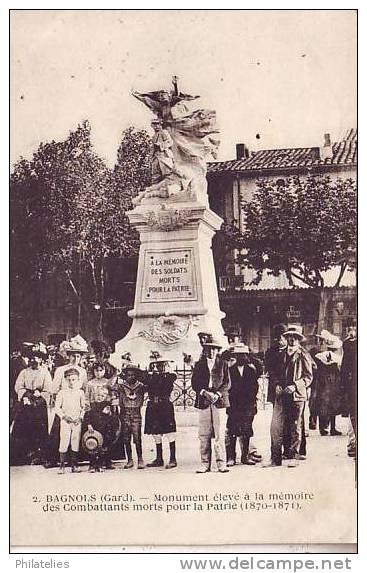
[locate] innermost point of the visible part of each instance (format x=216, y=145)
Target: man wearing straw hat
x=210, y=381
x=298, y=375
x=293, y=377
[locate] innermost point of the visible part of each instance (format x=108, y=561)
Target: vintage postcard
x=183, y=192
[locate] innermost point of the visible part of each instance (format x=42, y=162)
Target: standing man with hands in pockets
x=210, y=381
x=289, y=367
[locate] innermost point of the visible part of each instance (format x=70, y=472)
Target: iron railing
x=182, y=394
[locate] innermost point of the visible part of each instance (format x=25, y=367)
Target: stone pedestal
x=176, y=293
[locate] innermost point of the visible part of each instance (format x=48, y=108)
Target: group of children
x=94, y=414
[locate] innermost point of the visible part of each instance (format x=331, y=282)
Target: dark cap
x=37, y=354
x=278, y=330
x=204, y=337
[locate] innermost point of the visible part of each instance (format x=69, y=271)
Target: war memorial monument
x=176, y=294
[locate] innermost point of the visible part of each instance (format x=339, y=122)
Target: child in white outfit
x=70, y=407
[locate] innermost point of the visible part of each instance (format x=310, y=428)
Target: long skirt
x=29, y=433
x=159, y=418
x=239, y=422
x=328, y=396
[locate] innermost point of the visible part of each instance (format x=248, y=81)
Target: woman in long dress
x=30, y=428
x=328, y=389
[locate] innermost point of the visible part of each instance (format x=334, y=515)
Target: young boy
x=70, y=406
x=131, y=391
x=100, y=417
x=100, y=420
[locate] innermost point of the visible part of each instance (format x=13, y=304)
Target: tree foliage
x=68, y=210
x=302, y=227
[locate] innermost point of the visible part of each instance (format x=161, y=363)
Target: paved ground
x=324, y=484
x=323, y=451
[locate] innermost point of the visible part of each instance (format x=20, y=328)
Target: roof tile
x=344, y=153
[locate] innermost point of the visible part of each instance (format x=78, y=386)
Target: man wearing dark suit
x=349, y=382
x=274, y=366
x=210, y=381
x=244, y=376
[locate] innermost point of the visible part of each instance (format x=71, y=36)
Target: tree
x=134, y=163
x=68, y=211
x=302, y=227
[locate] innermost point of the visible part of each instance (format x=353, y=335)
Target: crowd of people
x=70, y=405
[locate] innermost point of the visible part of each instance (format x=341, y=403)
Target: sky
x=276, y=78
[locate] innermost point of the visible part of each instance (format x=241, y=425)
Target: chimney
x=242, y=151
x=326, y=152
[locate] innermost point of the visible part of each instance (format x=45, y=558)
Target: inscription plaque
x=168, y=276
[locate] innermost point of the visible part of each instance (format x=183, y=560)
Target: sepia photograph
x=183, y=293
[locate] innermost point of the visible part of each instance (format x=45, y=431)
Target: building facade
x=251, y=310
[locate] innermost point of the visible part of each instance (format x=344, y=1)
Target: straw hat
x=127, y=365
x=76, y=344
x=92, y=441
x=240, y=348
x=330, y=340
x=211, y=342
x=295, y=330
x=156, y=357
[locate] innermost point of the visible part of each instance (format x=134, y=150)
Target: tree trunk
x=98, y=277
x=78, y=294
x=325, y=296
x=101, y=300
x=79, y=321
x=343, y=268
x=99, y=326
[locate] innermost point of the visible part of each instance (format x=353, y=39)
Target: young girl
x=160, y=415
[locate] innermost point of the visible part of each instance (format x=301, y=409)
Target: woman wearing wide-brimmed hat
x=75, y=349
x=327, y=380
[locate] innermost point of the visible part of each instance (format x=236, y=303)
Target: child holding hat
x=69, y=407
